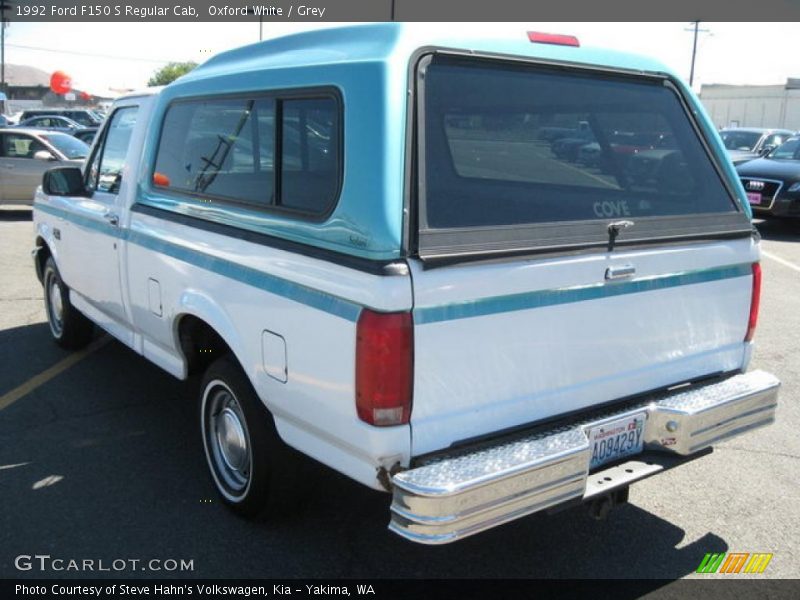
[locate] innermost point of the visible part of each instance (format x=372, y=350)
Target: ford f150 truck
x=365, y=245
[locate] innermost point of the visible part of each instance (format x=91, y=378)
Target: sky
x=102, y=56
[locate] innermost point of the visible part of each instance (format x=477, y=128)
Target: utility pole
x=697, y=31
x=5, y=6
x=2, y=49
x=694, y=52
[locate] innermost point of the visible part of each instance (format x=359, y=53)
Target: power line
x=88, y=54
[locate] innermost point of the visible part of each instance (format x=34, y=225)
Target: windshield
x=69, y=146
x=740, y=140
x=789, y=150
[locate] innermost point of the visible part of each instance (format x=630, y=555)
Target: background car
x=748, y=143
x=772, y=182
x=84, y=116
x=25, y=154
x=52, y=123
x=62, y=124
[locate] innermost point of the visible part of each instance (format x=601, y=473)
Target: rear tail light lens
x=755, y=300
x=537, y=37
x=384, y=367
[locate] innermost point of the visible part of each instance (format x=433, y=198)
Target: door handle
x=111, y=218
x=620, y=272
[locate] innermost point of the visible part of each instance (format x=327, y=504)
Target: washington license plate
x=616, y=439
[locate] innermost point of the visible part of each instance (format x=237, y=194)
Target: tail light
x=755, y=300
x=384, y=367
x=537, y=37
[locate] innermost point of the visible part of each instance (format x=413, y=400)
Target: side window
x=309, y=161
x=17, y=145
x=261, y=151
x=105, y=167
x=220, y=148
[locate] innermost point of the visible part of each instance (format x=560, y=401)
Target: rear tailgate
x=501, y=345
x=632, y=274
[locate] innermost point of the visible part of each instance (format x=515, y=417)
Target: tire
x=69, y=328
x=246, y=458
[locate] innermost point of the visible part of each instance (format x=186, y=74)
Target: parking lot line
x=36, y=381
x=783, y=261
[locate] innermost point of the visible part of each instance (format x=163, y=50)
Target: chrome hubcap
x=231, y=440
x=55, y=306
x=227, y=440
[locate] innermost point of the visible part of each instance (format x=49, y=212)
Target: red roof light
x=537, y=37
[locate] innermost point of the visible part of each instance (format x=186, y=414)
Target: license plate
x=617, y=439
x=753, y=198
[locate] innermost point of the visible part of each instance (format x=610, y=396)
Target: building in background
x=29, y=87
x=775, y=106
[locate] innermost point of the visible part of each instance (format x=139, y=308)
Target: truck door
x=93, y=269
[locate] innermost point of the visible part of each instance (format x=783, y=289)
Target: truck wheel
x=239, y=438
x=70, y=329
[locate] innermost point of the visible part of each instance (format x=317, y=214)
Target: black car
x=772, y=183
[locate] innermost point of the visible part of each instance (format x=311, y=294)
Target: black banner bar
x=399, y=10
x=729, y=588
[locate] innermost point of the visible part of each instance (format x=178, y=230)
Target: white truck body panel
x=490, y=372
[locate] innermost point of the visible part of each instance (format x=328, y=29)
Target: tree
x=170, y=72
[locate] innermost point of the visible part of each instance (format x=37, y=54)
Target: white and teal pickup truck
x=491, y=277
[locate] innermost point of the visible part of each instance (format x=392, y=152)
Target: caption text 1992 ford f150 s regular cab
x=388, y=253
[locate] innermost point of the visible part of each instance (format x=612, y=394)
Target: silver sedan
x=25, y=154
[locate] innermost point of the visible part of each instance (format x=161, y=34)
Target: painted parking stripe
x=39, y=380
x=780, y=260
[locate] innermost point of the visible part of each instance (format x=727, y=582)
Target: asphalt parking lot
x=100, y=458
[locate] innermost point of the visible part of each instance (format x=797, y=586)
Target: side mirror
x=766, y=150
x=43, y=155
x=64, y=181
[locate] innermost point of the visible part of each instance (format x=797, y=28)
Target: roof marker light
x=537, y=37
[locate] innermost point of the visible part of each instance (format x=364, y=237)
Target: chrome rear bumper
x=459, y=494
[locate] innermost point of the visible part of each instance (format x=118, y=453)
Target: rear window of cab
x=263, y=152
x=530, y=147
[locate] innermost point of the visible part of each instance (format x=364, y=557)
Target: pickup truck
x=361, y=241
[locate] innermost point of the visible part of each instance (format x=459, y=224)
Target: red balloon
x=85, y=96
x=60, y=82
